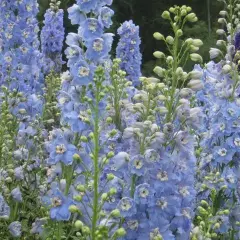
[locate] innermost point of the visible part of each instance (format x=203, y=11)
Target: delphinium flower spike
x=128, y=50
x=52, y=37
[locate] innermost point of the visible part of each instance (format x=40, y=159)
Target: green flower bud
x=120, y=232
x=197, y=42
x=213, y=235
x=112, y=191
x=109, y=120
x=226, y=68
x=166, y=15
x=8, y=180
x=216, y=226
x=191, y=17
x=222, y=21
x=158, y=36
x=189, y=9
x=161, y=85
x=104, y=197
x=115, y=213
x=110, y=154
x=78, y=198
x=84, y=139
x=196, y=57
x=162, y=110
x=172, y=9
x=159, y=54
x=159, y=71
x=179, y=32
x=220, y=32
x=77, y=158
x=223, y=13
x=226, y=212
x=202, y=211
x=179, y=71
x=162, y=98
x=170, y=40
x=183, y=12
x=169, y=60
x=204, y=203
x=86, y=230
x=78, y=224
x=73, y=209
x=81, y=188
x=193, y=48
x=189, y=41
x=110, y=176
x=91, y=135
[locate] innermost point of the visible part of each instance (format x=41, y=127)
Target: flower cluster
x=218, y=177
x=101, y=152
x=52, y=37
x=20, y=59
x=128, y=51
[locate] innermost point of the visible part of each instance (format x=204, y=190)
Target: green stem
x=133, y=183
x=96, y=166
x=174, y=77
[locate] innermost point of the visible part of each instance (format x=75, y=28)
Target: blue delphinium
x=52, y=36
x=15, y=229
x=20, y=58
x=128, y=50
x=219, y=176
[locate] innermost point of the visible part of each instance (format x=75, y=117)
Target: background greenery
x=147, y=14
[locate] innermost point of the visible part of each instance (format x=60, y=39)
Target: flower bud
x=204, y=203
x=112, y=191
x=215, y=52
x=183, y=12
x=189, y=41
x=84, y=139
x=120, y=232
x=73, y=209
x=78, y=198
x=158, y=54
x=115, y=213
x=226, y=68
x=223, y=13
x=222, y=21
x=193, y=48
x=220, y=32
x=195, y=74
x=78, y=224
x=196, y=57
x=110, y=176
x=195, y=85
x=169, y=60
x=170, y=40
x=86, y=230
x=104, y=197
x=166, y=15
x=110, y=154
x=179, y=71
x=158, y=36
x=81, y=188
x=162, y=110
x=216, y=226
x=159, y=71
x=160, y=85
x=191, y=17
x=179, y=32
x=109, y=120
x=197, y=42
